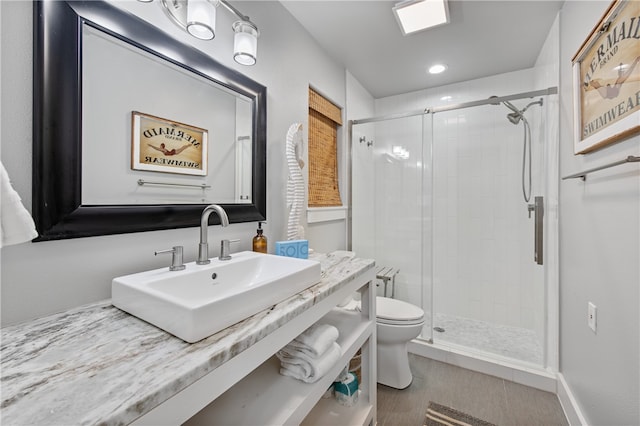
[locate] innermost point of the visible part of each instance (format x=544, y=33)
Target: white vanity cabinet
x=265, y=397
x=97, y=365
x=249, y=390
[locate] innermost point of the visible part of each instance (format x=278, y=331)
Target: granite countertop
x=99, y=365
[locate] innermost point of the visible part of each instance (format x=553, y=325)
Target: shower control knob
x=531, y=208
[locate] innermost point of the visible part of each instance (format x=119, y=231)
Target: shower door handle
x=538, y=209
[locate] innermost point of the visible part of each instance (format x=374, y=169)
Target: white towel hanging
x=16, y=224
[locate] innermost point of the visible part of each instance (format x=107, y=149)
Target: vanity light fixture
x=201, y=19
x=418, y=15
x=245, y=42
x=198, y=18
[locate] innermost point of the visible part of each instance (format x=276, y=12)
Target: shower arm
x=521, y=111
x=513, y=108
x=538, y=102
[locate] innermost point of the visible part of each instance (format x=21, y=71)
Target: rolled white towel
x=315, y=340
x=308, y=369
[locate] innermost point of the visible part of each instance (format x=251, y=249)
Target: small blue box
x=294, y=248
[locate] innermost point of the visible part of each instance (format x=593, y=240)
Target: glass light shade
x=201, y=19
x=245, y=43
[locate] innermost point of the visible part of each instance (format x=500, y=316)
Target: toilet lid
x=396, y=310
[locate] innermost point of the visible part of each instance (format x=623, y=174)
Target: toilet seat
x=396, y=312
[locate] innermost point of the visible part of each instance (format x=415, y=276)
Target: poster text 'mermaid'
x=170, y=133
x=628, y=29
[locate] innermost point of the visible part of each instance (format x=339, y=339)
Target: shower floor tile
x=511, y=342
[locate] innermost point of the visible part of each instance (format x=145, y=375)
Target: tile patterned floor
x=511, y=342
x=492, y=399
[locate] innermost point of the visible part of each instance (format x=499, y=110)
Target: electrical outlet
x=592, y=312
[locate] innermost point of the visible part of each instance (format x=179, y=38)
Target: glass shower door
x=391, y=204
x=440, y=196
x=488, y=290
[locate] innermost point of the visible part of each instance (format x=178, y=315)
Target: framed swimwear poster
x=162, y=145
x=606, y=79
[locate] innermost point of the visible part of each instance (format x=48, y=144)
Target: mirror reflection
x=161, y=134
x=108, y=88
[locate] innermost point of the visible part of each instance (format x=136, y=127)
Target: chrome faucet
x=203, y=247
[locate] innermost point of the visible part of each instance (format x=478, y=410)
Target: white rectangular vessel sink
x=203, y=299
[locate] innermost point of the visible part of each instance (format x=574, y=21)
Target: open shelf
x=327, y=412
x=266, y=397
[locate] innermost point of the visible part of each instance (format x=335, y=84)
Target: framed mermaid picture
x=162, y=145
x=606, y=79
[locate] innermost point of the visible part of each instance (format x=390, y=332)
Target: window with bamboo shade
x=324, y=120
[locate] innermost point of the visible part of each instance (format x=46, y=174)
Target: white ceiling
x=483, y=38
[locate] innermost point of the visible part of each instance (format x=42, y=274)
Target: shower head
x=517, y=114
x=515, y=117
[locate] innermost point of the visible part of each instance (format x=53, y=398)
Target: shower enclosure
x=440, y=195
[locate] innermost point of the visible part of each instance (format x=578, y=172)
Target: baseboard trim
x=532, y=377
x=569, y=404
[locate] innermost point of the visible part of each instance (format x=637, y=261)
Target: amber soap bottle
x=260, y=241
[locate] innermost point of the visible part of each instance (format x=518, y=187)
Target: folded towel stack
x=311, y=355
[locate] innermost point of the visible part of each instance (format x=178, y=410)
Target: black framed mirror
x=59, y=114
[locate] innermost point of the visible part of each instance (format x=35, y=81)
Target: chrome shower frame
x=430, y=111
x=434, y=110
x=493, y=100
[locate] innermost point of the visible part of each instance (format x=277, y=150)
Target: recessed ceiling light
x=446, y=98
x=418, y=15
x=437, y=69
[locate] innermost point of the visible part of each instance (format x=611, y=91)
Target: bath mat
x=440, y=415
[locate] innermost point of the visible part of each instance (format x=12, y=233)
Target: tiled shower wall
x=483, y=237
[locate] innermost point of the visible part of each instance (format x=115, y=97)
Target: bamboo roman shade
x=324, y=119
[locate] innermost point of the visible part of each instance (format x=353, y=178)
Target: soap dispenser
x=260, y=241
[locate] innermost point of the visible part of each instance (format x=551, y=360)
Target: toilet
x=397, y=322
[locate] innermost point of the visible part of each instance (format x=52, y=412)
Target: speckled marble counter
x=98, y=365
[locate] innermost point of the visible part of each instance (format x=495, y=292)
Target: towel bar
x=583, y=175
x=184, y=185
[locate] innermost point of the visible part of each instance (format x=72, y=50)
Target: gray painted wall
x=47, y=277
x=599, y=256
x=599, y=222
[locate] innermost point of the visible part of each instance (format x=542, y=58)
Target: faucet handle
x=176, y=257
x=224, y=249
